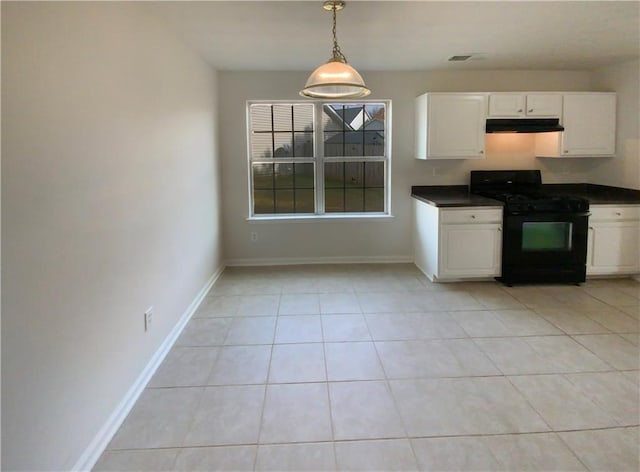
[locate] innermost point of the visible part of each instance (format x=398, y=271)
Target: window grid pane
x=282, y=116
x=281, y=131
x=303, y=118
x=354, y=187
x=354, y=130
x=283, y=187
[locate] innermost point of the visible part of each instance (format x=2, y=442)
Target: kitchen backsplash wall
x=503, y=151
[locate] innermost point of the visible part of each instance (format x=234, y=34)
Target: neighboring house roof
x=352, y=115
x=349, y=117
x=374, y=124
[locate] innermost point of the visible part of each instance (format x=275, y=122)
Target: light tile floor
x=372, y=367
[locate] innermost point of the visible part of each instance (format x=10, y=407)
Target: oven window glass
x=546, y=236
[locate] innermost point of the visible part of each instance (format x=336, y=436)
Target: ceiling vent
x=459, y=58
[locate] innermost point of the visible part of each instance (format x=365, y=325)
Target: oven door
x=541, y=247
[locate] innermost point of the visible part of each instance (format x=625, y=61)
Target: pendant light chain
x=335, y=79
x=337, y=53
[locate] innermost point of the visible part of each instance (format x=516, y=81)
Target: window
x=318, y=158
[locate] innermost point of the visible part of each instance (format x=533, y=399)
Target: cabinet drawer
x=471, y=215
x=614, y=213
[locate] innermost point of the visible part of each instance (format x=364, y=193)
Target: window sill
x=318, y=218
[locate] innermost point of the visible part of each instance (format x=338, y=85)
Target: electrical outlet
x=254, y=237
x=148, y=318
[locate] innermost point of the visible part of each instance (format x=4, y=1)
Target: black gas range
x=544, y=235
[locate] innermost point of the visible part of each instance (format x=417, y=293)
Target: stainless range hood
x=523, y=125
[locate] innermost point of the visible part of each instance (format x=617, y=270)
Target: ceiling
x=401, y=35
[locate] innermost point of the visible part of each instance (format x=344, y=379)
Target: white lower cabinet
x=471, y=250
x=613, y=245
x=458, y=243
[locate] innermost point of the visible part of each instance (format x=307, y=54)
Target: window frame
x=318, y=160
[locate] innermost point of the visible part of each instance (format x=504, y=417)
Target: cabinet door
x=589, y=124
x=456, y=126
x=544, y=104
x=506, y=104
x=520, y=105
x=472, y=250
x=613, y=248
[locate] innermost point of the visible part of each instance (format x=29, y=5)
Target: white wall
x=624, y=169
x=110, y=204
x=381, y=240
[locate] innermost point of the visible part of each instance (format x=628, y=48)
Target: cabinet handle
x=591, y=228
x=520, y=110
x=566, y=151
x=530, y=110
x=500, y=230
x=473, y=217
x=618, y=213
x=480, y=152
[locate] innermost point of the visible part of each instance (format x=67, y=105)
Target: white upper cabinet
x=589, y=120
x=544, y=104
x=519, y=105
x=507, y=104
x=450, y=126
x=589, y=124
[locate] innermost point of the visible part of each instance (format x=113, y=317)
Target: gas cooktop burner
x=520, y=195
x=531, y=202
x=522, y=192
x=513, y=197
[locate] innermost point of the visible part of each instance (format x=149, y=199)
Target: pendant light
x=336, y=78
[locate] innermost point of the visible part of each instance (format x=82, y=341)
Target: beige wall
x=110, y=204
x=377, y=239
x=624, y=169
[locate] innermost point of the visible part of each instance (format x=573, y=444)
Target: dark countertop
x=459, y=196
x=450, y=196
x=597, y=194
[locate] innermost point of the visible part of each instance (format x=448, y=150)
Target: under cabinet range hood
x=523, y=125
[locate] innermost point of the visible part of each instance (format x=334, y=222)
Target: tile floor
x=372, y=367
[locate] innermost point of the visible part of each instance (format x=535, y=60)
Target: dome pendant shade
x=336, y=78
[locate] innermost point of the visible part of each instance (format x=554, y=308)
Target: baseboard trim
x=318, y=260
x=424, y=272
x=99, y=443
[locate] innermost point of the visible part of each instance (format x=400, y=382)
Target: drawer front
x=614, y=213
x=471, y=215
